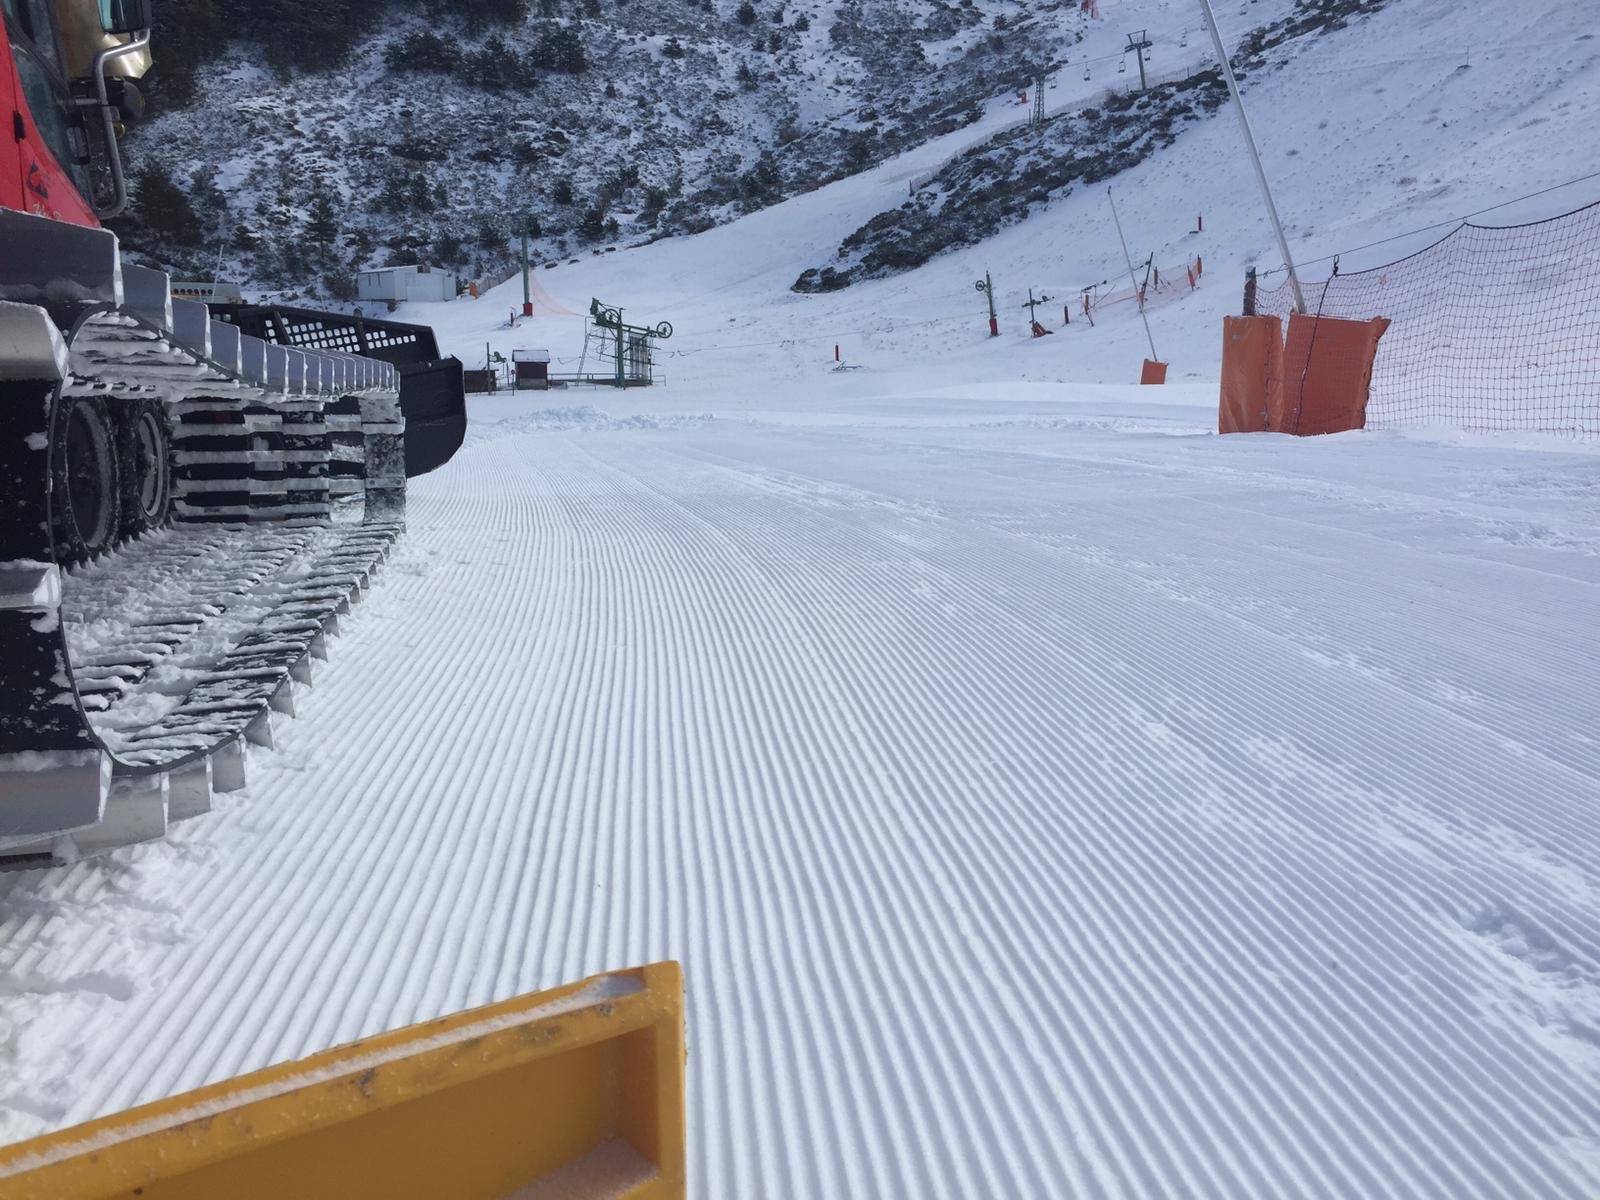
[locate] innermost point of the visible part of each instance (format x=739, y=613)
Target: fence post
x=1250, y=292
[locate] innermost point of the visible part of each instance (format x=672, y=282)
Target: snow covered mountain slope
x=1046, y=797
x=1478, y=116
x=602, y=122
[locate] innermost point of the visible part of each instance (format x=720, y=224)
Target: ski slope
x=1046, y=797
x=1399, y=124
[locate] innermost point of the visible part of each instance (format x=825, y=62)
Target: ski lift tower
x=630, y=347
x=1138, y=44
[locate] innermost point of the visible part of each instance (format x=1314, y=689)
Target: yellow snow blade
x=575, y=1092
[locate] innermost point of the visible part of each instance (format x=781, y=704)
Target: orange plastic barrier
x=1252, y=371
x=1153, y=372
x=1327, y=373
x=1317, y=382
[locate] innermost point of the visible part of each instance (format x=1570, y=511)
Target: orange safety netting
x=1159, y=285
x=544, y=304
x=1494, y=327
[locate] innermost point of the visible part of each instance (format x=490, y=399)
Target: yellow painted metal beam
x=575, y=1092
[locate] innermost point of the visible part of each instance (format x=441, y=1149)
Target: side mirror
x=124, y=16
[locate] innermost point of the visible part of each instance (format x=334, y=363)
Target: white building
x=398, y=284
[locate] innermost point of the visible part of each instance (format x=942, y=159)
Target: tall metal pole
x=1133, y=279
x=986, y=286
x=216, y=271
x=1138, y=43
x=527, y=277
x=1255, y=155
x=622, y=379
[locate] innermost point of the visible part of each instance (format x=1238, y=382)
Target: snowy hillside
x=439, y=136
x=998, y=183
x=1473, y=121
x=1046, y=797
x=602, y=122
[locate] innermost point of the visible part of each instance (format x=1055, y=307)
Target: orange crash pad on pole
x=1327, y=373
x=1252, y=371
x=1153, y=372
x=1316, y=382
